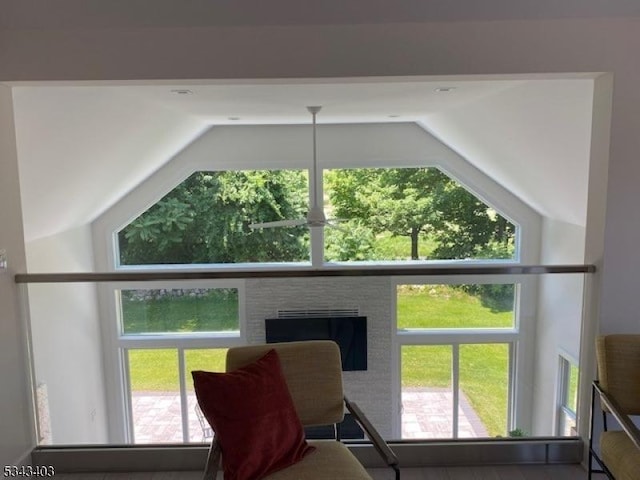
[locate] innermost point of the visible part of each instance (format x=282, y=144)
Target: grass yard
x=442, y=306
x=388, y=247
x=484, y=379
x=157, y=369
x=194, y=310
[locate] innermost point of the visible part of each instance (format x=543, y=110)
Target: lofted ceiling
x=83, y=147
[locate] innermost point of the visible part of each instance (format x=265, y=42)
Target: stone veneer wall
x=371, y=389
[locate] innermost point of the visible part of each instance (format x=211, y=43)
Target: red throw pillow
x=253, y=416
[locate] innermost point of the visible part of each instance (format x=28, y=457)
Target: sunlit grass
x=484, y=379
x=156, y=370
x=389, y=247
x=195, y=311
x=426, y=366
x=444, y=306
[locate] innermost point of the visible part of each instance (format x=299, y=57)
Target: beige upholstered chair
x=313, y=371
x=619, y=390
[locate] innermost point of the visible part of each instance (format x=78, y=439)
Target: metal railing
x=241, y=272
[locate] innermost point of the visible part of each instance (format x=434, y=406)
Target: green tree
x=349, y=243
x=206, y=219
x=465, y=227
x=415, y=202
x=387, y=200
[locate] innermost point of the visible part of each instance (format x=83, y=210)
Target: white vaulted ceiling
x=83, y=147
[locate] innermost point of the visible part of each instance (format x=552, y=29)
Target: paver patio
x=426, y=414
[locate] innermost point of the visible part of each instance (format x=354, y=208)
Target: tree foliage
x=206, y=219
x=419, y=202
x=353, y=243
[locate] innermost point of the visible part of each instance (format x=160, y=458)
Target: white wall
x=16, y=427
x=559, y=317
x=448, y=48
x=516, y=157
x=67, y=348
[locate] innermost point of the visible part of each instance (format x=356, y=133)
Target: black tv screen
x=350, y=333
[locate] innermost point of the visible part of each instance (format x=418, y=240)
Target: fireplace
x=348, y=331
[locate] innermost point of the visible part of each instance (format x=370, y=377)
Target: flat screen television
x=350, y=333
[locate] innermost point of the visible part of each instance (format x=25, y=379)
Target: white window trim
x=343, y=146
x=317, y=245
x=187, y=285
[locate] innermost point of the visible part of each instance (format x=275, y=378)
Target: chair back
x=313, y=371
x=619, y=369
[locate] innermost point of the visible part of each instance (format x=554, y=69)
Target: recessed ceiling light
x=182, y=91
x=233, y=119
x=444, y=89
x=393, y=116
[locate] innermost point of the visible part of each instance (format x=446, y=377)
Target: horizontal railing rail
x=299, y=272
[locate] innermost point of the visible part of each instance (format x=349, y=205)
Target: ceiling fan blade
x=280, y=223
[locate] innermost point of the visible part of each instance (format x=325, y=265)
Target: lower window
x=178, y=311
x=162, y=401
x=567, y=397
x=454, y=391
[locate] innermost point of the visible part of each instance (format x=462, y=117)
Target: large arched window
x=384, y=214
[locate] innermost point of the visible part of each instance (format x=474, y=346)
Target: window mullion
x=130, y=431
x=512, y=390
x=455, y=373
x=184, y=405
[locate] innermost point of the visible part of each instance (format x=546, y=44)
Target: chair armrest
x=213, y=461
x=379, y=444
x=625, y=422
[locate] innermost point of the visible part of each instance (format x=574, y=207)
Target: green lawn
x=194, y=311
x=483, y=368
x=572, y=394
x=388, y=247
x=443, y=306
x=157, y=370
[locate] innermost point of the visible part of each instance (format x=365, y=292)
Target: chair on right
x=618, y=388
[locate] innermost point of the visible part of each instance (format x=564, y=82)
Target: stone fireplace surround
x=370, y=389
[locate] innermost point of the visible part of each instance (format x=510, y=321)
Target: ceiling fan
x=315, y=215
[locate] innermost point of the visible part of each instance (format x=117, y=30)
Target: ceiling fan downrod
x=313, y=110
x=315, y=216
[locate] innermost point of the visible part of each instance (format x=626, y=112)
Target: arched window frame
x=394, y=145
